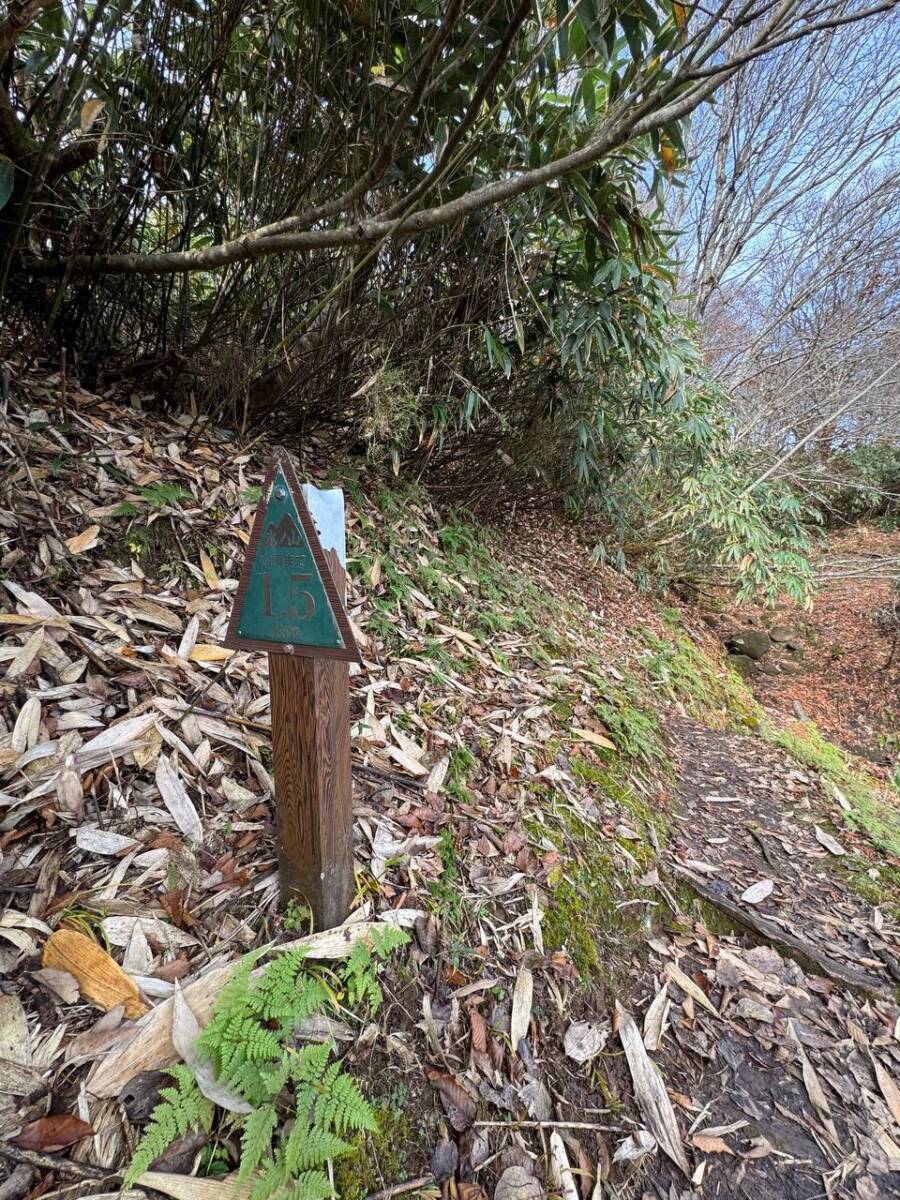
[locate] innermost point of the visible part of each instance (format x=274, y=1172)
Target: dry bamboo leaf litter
x=128, y=671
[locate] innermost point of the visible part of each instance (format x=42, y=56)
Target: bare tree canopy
x=791, y=240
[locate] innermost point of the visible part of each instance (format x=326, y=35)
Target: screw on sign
x=290, y=604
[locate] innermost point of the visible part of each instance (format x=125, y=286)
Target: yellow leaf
x=379, y=70
x=680, y=13
x=209, y=571
x=669, y=157
x=101, y=979
x=596, y=739
x=204, y=652
x=90, y=111
x=86, y=540
x=375, y=573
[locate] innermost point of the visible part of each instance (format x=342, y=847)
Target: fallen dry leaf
x=458, y=1104
x=521, y=1007
x=707, y=1144
x=888, y=1089
x=831, y=844
x=187, y=1187
x=584, y=1040
x=100, y=978
x=635, y=1147
x=177, y=801
x=209, y=571
x=757, y=892
x=596, y=739
x=650, y=1091
x=518, y=1184
x=560, y=1168
x=656, y=1018
x=52, y=1133
x=15, y=1037
x=203, y=652
x=693, y=990
x=86, y=540
x=185, y=1031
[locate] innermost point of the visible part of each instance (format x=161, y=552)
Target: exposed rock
x=786, y=635
x=743, y=664
x=749, y=642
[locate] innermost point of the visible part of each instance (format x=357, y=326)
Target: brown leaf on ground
x=478, y=1028
x=52, y=1133
x=650, y=1091
x=710, y=1145
x=471, y=1191
x=516, y=1183
x=458, y=1103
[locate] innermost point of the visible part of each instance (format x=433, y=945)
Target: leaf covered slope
x=514, y=791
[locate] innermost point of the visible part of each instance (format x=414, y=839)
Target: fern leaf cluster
x=179, y=1110
x=359, y=972
x=304, y=1105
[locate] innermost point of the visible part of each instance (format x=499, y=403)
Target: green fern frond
x=305, y=1148
x=158, y=495
x=311, y=1185
x=126, y=509
x=248, y=1041
x=256, y=1144
x=341, y=1105
x=178, y=1111
x=275, y=1185
x=309, y=1063
x=288, y=994
x=272, y=1184
x=386, y=939
x=359, y=972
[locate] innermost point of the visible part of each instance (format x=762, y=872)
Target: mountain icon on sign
x=285, y=533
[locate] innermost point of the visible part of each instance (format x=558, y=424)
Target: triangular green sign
x=287, y=599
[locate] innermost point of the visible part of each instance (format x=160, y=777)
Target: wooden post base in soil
x=313, y=797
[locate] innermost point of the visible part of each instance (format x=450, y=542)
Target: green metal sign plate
x=287, y=600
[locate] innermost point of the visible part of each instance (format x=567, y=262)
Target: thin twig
x=52, y=1162
x=398, y=1189
x=547, y=1125
x=37, y=491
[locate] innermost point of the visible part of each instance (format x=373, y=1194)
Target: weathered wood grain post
x=290, y=604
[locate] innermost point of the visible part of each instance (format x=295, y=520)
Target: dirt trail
x=788, y=1071
x=843, y=671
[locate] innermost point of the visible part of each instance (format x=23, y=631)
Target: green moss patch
x=709, y=692
x=872, y=810
x=380, y=1159
x=596, y=909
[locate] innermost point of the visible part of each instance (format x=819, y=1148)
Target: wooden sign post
x=290, y=604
